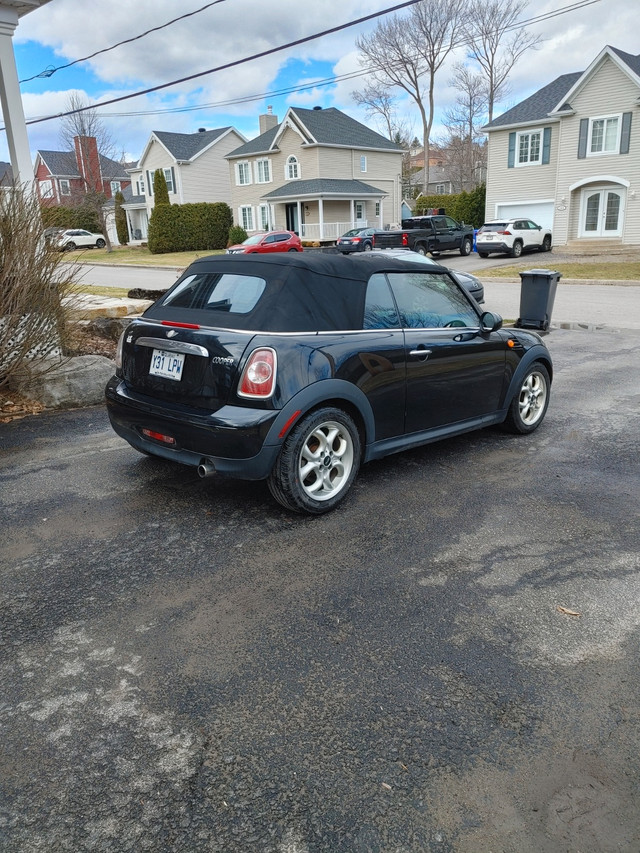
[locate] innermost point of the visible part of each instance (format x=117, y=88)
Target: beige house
x=318, y=172
x=568, y=157
x=194, y=168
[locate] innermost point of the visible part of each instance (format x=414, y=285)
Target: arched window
x=293, y=169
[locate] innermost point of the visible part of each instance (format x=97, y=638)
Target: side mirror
x=490, y=322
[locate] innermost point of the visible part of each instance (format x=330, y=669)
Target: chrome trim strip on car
x=172, y=346
x=444, y=329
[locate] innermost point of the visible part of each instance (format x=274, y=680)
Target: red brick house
x=63, y=177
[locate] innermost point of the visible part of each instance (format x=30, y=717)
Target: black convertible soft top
x=304, y=292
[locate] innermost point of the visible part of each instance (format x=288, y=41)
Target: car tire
x=529, y=404
x=292, y=250
x=70, y=246
x=483, y=254
x=466, y=246
x=100, y=244
x=318, y=462
x=367, y=247
x=546, y=244
x=516, y=250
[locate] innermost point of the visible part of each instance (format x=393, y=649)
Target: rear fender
x=333, y=390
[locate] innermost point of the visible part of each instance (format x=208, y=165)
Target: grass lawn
x=613, y=271
x=137, y=255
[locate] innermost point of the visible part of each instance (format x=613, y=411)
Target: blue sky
x=64, y=30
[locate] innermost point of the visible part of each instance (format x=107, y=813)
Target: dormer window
x=292, y=169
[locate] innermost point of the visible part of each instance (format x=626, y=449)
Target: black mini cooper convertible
x=298, y=368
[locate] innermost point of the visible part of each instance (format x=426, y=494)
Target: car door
x=535, y=233
x=268, y=244
x=440, y=233
x=454, y=234
x=454, y=372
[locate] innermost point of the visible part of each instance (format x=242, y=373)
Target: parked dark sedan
x=299, y=368
x=356, y=240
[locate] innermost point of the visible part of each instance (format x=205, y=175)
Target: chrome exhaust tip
x=206, y=468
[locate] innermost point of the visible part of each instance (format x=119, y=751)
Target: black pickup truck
x=428, y=234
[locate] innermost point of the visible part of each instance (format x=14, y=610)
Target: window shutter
x=582, y=139
x=173, y=180
x=512, y=150
x=546, y=145
x=625, y=136
x=149, y=183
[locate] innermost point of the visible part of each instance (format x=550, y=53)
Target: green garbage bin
x=537, y=293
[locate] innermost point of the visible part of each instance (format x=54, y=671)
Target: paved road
x=187, y=667
x=612, y=305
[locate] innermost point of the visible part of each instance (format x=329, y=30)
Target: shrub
x=59, y=216
x=189, y=227
x=36, y=287
x=466, y=207
x=237, y=234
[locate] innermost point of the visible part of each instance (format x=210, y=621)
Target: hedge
x=59, y=216
x=467, y=207
x=203, y=226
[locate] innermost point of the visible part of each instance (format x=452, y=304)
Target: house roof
x=186, y=146
x=321, y=187
x=64, y=164
x=319, y=127
x=553, y=97
x=538, y=106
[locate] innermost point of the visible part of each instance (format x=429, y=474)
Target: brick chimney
x=267, y=120
x=89, y=162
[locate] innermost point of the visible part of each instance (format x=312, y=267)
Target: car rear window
x=237, y=294
x=493, y=226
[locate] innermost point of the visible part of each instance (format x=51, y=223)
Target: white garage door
x=540, y=211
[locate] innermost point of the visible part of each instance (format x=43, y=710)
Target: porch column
x=351, y=214
x=321, y=217
x=299, y=210
x=12, y=109
x=381, y=216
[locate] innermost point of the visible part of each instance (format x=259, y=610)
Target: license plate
x=167, y=364
x=488, y=238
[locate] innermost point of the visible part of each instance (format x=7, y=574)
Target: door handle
x=420, y=352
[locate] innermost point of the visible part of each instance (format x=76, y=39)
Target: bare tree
x=77, y=133
x=407, y=52
x=465, y=151
x=496, y=43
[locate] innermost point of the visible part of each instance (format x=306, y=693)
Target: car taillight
x=119, y=349
x=405, y=239
x=508, y=233
x=259, y=375
x=355, y=239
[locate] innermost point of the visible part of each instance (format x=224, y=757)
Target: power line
x=229, y=64
x=49, y=72
x=328, y=81
x=249, y=98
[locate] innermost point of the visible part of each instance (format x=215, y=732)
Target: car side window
x=281, y=238
x=431, y=301
x=379, y=308
x=270, y=239
x=451, y=223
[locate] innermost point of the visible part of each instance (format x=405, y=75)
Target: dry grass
x=137, y=256
x=606, y=271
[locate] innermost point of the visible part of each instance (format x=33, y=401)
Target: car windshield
x=251, y=241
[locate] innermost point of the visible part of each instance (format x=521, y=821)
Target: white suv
x=512, y=237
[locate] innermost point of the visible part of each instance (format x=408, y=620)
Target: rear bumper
x=346, y=248
x=492, y=247
x=232, y=440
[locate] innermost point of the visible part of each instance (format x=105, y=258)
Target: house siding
x=207, y=177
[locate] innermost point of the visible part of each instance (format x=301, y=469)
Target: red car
x=268, y=241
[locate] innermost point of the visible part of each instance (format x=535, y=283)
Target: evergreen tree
x=121, y=220
x=160, y=191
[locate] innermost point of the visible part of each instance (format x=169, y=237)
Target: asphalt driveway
x=447, y=663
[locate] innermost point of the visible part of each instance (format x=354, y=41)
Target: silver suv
x=512, y=237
